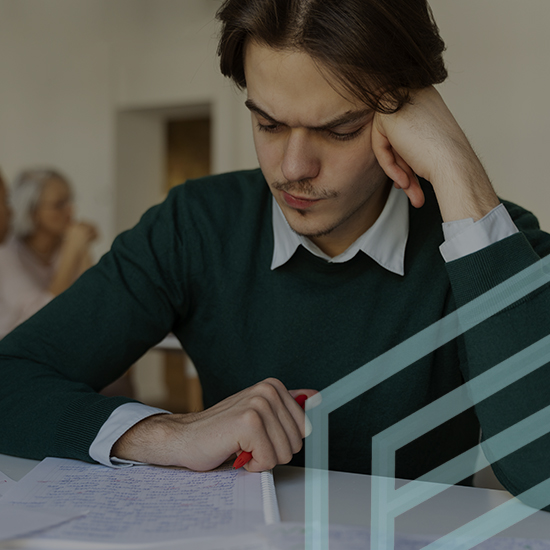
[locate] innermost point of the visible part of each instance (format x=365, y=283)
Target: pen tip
x=301, y=400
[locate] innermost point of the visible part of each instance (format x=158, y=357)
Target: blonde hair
x=26, y=193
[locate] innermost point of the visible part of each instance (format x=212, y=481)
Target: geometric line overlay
x=387, y=502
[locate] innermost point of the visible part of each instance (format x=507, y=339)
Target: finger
x=415, y=194
x=312, y=399
x=410, y=176
x=315, y=398
x=393, y=165
x=296, y=411
x=267, y=423
x=268, y=439
x=260, y=438
x=301, y=398
x=267, y=429
x=309, y=393
x=410, y=185
x=289, y=414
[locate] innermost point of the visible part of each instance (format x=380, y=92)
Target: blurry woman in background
x=48, y=249
x=46, y=252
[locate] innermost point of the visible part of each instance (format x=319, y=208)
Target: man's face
x=5, y=211
x=314, y=148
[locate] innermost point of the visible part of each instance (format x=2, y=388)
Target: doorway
x=188, y=153
x=157, y=149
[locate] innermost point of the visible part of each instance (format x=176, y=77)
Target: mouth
x=300, y=203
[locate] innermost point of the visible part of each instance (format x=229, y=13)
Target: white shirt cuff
x=118, y=423
x=465, y=237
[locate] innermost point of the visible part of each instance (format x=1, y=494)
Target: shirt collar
x=384, y=241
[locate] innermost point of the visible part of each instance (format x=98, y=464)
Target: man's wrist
x=463, y=189
x=147, y=440
x=118, y=423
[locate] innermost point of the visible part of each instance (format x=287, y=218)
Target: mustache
x=303, y=187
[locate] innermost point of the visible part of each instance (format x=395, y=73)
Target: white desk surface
x=349, y=503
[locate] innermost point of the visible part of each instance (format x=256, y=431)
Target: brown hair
x=378, y=49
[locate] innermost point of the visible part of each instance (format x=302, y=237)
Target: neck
x=43, y=245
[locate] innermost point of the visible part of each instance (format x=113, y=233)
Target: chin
x=312, y=232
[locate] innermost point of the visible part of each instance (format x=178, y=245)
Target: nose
x=301, y=160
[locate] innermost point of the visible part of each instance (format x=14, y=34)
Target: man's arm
x=423, y=138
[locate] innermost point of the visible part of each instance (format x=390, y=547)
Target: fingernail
x=308, y=426
x=313, y=401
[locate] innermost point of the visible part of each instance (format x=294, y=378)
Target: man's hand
x=423, y=138
x=263, y=419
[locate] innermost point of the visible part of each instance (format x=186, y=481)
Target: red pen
x=245, y=456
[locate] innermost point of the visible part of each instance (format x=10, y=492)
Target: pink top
x=24, y=280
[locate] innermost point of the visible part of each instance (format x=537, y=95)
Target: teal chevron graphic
x=387, y=502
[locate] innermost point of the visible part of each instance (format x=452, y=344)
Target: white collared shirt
x=386, y=239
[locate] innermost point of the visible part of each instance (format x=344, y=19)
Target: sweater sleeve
x=53, y=364
x=502, y=336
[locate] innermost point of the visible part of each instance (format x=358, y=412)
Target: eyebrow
x=345, y=118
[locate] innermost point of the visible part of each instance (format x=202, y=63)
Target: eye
x=269, y=128
x=338, y=136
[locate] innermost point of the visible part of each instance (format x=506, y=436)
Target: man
x=298, y=274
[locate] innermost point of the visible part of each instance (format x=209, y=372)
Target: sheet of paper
x=249, y=541
x=143, y=504
x=17, y=522
x=5, y=484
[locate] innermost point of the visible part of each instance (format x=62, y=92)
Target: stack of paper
x=65, y=504
x=142, y=505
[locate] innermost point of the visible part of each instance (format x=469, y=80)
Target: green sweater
x=199, y=265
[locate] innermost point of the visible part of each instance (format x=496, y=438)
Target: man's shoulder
x=221, y=201
x=220, y=188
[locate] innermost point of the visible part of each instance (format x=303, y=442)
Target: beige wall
x=74, y=71
x=55, y=93
x=499, y=77
x=71, y=68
